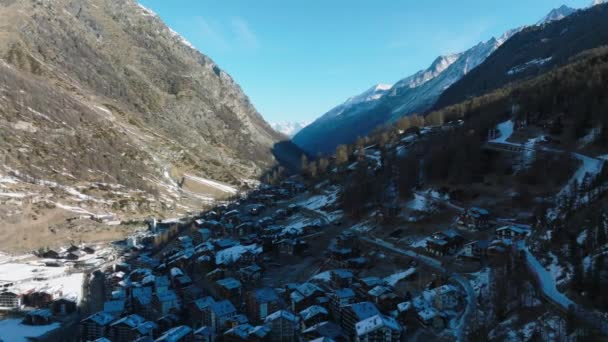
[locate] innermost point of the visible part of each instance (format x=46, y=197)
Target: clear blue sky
x=296, y=59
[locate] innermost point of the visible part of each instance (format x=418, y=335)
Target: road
x=437, y=265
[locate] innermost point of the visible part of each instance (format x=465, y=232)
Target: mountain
x=557, y=14
x=598, y=2
x=533, y=51
x=416, y=93
x=289, y=128
x=107, y=112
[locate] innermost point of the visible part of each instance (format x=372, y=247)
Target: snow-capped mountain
x=598, y=2
x=364, y=99
x=289, y=128
x=557, y=14
x=381, y=104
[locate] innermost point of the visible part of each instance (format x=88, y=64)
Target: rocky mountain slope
x=105, y=110
x=532, y=52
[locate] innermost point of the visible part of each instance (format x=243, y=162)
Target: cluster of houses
x=204, y=283
x=49, y=287
x=474, y=220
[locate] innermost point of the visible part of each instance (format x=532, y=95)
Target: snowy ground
x=393, y=279
x=545, y=279
x=11, y=330
x=505, y=130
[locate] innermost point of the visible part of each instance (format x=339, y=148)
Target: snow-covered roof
x=376, y=322
x=312, y=311
x=203, y=303
x=222, y=308
x=229, y=283
x=132, y=321
x=364, y=310
x=100, y=318
x=175, y=334
x=281, y=314
x=265, y=295
x=345, y=293
x=233, y=254
x=308, y=289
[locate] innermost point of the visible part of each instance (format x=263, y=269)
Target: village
x=281, y=264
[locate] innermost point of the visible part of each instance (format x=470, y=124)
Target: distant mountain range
x=418, y=93
x=532, y=52
x=289, y=128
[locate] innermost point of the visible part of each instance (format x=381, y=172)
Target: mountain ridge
x=106, y=112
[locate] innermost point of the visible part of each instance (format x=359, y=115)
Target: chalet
x=198, y=314
x=443, y=243
x=64, y=306
x=247, y=332
x=236, y=320
x=10, y=300
x=341, y=278
x=39, y=298
x=38, y=317
x=324, y=331
x=250, y=274
x=430, y=317
x=204, y=334
x=123, y=330
x=114, y=307
x=447, y=297
x=364, y=285
x=261, y=302
x=147, y=329
x=283, y=326
x=142, y=301
x=218, y=314
x=50, y=254
x=292, y=246
x=312, y=315
x=165, y=302
x=229, y=288
x=95, y=326
x=181, y=333
x=202, y=235
x=168, y=322
x=378, y=328
x=339, y=299
x=499, y=247
x=512, y=232
x=476, y=249
x=474, y=219
x=304, y=296
x=355, y=313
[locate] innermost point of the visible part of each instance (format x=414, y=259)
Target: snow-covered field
x=213, y=184
x=11, y=330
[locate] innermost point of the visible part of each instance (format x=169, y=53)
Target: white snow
x=13, y=331
x=591, y=166
x=420, y=243
x=146, y=11
x=505, y=130
x=582, y=237
x=214, y=184
x=289, y=128
x=546, y=280
x=556, y=270
x=419, y=203
x=533, y=63
x=393, y=279
x=233, y=254
x=319, y=201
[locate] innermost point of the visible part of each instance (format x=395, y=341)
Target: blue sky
x=296, y=59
